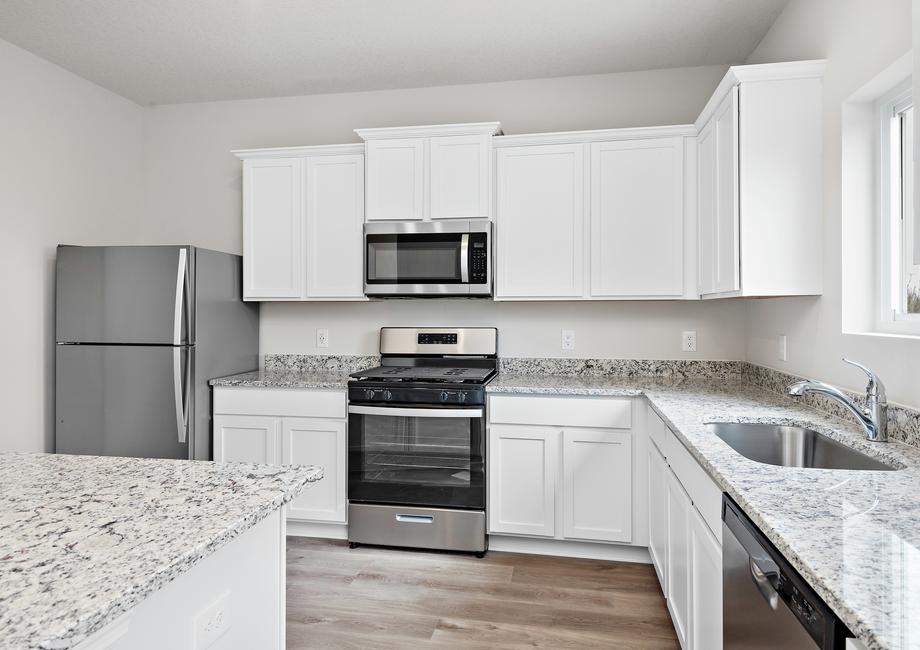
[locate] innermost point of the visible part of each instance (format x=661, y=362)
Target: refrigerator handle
x=180, y=394
x=181, y=290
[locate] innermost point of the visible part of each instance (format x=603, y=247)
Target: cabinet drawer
x=705, y=494
x=596, y=412
x=279, y=402
x=657, y=430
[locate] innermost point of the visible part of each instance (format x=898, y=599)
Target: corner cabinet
x=303, y=215
x=429, y=172
x=601, y=215
x=759, y=182
x=281, y=426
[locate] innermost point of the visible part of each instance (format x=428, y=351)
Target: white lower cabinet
x=522, y=480
x=310, y=441
x=288, y=427
x=683, y=544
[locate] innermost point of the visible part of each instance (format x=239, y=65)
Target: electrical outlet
x=568, y=339
x=322, y=338
x=688, y=341
x=212, y=622
x=782, y=347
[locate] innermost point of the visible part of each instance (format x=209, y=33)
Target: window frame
x=890, y=317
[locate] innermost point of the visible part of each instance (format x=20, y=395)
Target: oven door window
x=415, y=460
x=414, y=259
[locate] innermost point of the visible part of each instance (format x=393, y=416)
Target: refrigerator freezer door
x=125, y=294
x=123, y=400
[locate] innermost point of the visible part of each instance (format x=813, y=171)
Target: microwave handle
x=465, y=258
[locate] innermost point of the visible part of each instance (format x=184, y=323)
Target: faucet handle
x=876, y=387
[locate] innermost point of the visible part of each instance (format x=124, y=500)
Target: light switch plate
x=568, y=339
x=212, y=622
x=782, y=347
x=688, y=341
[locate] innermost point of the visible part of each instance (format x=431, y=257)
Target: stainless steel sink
x=787, y=446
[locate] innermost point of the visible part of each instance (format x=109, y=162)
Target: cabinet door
x=597, y=484
x=706, y=208
x=522, y=479
x=540, y=221
x=247, y=439
x=335, y=218
x=272, y=228
x=678, y=552
x=313, y=441
x=395, y=179
x=705, y=586
x=459, y=176
x=658, y=514
x=637, y=218
x=728, y=265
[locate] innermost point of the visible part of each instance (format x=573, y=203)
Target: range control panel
x=479, y=264
x=437, y=339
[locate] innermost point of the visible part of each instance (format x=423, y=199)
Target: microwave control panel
x=479, y=258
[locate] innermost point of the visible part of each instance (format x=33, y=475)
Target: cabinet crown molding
x=738, y=74
x=297, y=152
x=596, y=135
x=434, y=130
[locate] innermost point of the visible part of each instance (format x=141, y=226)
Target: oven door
x=438, y=259
x=427, y=456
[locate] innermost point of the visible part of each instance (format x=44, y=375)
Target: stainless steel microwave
x=434, y=259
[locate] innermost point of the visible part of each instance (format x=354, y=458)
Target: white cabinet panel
x=247, y=438
x=678, y=552
x=459, y=176
x=658, y=514
x=396, y=179
x=310, y=441
x=706, y=208
x=272, y=228
x=540, y=221
x=725, y=124
x=705, y=586
x=522, y=479
x=597, y=475
x=637, y=218
x=335, y=218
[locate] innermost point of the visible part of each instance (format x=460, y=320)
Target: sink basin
x=787, y=446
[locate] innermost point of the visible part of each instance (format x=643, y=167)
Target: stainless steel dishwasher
x=766, y=603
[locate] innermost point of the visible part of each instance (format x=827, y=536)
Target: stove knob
x=462, y=397
x=444, y=396
x=369, y=393
x=387, y=395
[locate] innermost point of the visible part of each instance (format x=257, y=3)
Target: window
x=900, y=250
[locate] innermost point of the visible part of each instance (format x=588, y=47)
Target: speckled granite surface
x=286, y=378
x=854, y=535
x=621, y=367
x=344, y=363
x=84, y=539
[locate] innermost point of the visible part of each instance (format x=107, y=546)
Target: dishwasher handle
x=765, y=583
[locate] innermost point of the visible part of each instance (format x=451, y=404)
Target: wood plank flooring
x=375, y=598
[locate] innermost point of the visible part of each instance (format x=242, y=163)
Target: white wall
x=859, y=39
x=71, y=172
x=193, y=191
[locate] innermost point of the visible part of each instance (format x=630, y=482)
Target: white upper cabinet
x=396, y=179
x=272, y=228
x=303, y=214
x=637, y=218
x=335, y=221
x=429, y=172
x=540, y=228
x=760, y=182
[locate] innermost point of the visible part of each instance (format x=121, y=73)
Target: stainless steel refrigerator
x=140, y=330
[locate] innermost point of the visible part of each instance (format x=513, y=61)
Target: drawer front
x=657, y=430
x=280, y=402
x=703, y=491
x=598, y=412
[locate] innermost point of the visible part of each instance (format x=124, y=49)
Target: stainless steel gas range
x=416, y=440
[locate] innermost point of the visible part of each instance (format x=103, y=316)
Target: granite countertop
x=83, y=539
x=287, y=378
x=853, y=535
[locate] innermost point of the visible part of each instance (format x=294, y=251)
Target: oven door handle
x=396, y=411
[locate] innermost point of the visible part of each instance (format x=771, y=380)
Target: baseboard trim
x=312, y=529
x=565, y=548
